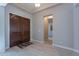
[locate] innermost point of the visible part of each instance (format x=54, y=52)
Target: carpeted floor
x=38, y=49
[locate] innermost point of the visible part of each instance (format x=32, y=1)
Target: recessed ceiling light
x=37, y=5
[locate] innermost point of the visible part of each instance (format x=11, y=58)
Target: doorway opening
x=48, y=29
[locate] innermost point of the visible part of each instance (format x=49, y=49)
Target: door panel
x=25, y=29
x=15, y=35
x=19, y=30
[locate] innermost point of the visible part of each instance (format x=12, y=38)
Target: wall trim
x=3, y=4
x=58, y=4
x=64, y=47
x=33, y=40
x=76, y=4
x=2, y=50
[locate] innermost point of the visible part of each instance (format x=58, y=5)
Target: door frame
x=46, y=27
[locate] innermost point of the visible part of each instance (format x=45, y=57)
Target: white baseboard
x=56, y=45
x=77, y=51
x=2, y=50
x=37, y=41
x=74, y=50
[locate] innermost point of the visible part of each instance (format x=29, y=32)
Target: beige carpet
x=37, y=49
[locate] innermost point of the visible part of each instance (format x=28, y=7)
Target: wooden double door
x=19, y=30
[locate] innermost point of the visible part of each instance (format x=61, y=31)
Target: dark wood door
x=25, y=29
x=15, y=34
x=19, y=30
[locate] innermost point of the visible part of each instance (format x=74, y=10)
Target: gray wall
x=76, y=27
x=2, y=29
x=49, y=30
x=62, y=24
x=10, y=8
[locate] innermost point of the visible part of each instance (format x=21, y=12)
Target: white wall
x=15, y=10
x=2, y=29
x=62, y=24
x=76, y=27
x=49, y=30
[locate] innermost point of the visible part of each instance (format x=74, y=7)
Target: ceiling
x=30, y=7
